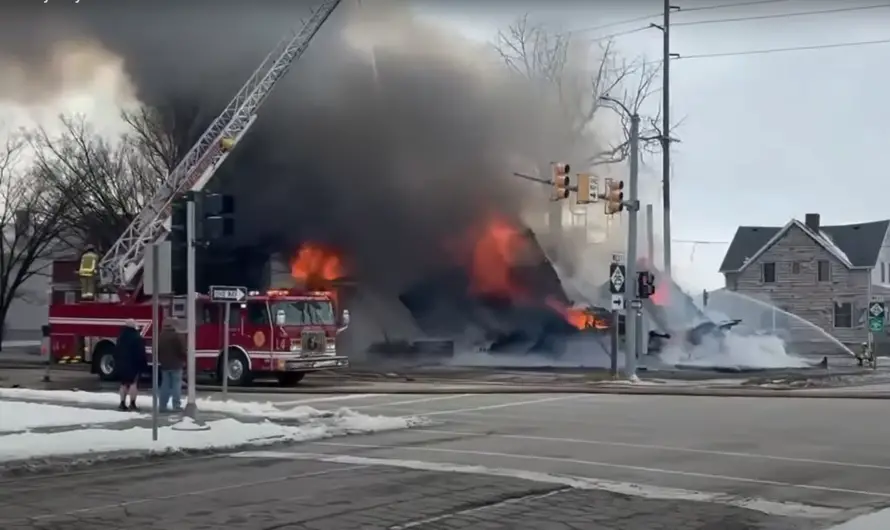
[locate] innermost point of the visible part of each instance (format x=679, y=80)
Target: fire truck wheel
x=103, y=361
x=239, y=371
x=290, y=378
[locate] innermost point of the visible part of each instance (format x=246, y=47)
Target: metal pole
x=155, y=322
x=630, y=349
x=650, y=235
x=47, y=353
x=869, y=339
x=225, y=368
x=191, y=408
x=614, y=357
x=666, y=137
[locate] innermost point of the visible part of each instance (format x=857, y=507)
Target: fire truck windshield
x=304, y=313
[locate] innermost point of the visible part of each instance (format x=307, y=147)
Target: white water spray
x=755, y=312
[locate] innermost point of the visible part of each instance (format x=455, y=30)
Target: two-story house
x=823, y=274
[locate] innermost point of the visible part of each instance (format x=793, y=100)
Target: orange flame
x=579, y=318
x=493, y=254
x=495, y=250
x=313, y=262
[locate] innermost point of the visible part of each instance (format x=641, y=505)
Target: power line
x=658, y=15
x=780, y=15
x=766, y=51
x=724, y=6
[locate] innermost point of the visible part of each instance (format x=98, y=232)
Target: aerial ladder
x=124, y=260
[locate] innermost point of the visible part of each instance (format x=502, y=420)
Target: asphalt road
x=506, y=462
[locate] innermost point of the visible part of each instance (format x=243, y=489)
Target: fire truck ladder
x=124, y=260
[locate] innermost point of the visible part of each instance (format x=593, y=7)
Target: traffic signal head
x=178, y=221
x=614, y=196
x=215, y=220
x=561, y=181
x=645, y=284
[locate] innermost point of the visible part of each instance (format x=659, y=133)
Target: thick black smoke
x=384, y=159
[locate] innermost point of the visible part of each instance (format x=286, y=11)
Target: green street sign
x=876, y=317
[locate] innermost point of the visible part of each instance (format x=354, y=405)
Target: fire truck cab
x=280, y=333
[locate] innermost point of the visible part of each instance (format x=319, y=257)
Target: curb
x=40, y=365
x=537, y=389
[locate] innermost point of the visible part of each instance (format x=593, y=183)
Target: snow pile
x=184, y=435
x=20, y=416
x=218, y=434
x=266, y=410
x=734, y=351
x=873, y=521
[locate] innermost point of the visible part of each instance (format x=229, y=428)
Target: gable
x=748, y=240
x=794, y=227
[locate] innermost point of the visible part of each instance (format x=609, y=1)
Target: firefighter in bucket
x=89, y=261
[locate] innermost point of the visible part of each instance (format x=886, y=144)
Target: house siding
x=30, y=309
x=803, y=295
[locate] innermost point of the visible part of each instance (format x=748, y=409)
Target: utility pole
x=666, y=135
x=650, y=235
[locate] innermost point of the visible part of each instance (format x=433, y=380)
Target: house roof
x=855, y=245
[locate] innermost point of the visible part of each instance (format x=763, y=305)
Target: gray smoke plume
x=389, y=137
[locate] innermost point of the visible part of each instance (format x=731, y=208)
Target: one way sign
x=225, y=293
x=617, y=277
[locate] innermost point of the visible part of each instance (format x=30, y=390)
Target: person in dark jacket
x=130, y=360
x=172, y=355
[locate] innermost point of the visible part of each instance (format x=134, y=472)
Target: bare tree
x=32, y=216
x=559, y=62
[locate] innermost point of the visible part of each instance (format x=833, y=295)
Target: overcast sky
x=766, y=137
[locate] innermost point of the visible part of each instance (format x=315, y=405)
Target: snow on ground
x=216, y=434
x=219, y=434
x=21, y=416
x=235, y=408
x=873, y=521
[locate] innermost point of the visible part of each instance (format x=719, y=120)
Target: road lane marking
x=192, y=493
x=788, y=509
x=413, y=401
x=629, y=445
x=610, y=465
x=501, y=405
x=323, y=399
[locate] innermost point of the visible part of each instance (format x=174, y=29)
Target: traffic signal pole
x=191, y=408
x=633, y=207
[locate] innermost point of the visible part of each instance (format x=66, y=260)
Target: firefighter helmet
x=226, y=144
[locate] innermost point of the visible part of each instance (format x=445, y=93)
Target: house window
x=843, y=315
x=824, y=270
x=883, y=272
x=795, y=267
x=768, y=273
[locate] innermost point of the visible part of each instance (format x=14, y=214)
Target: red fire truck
x=283, y=333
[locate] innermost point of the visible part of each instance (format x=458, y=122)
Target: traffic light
x=215, y=220
x=588, y=189
x=614, y=196
x=645, y=284
x=179, y=245
x=560, y=180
